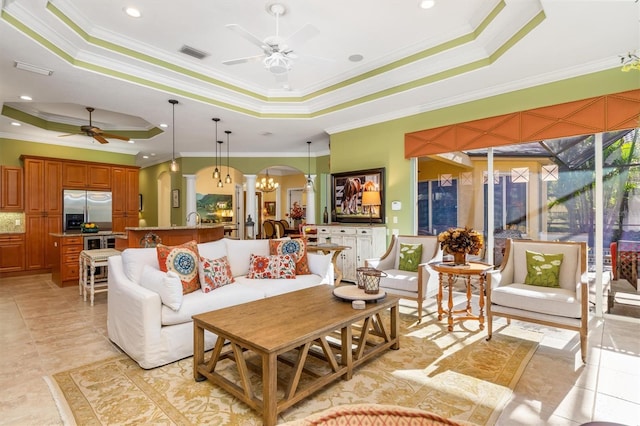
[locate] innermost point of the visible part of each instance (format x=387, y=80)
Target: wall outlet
x=17, y=222
x=395, y=219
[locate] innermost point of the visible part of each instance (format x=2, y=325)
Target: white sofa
x=153, y=334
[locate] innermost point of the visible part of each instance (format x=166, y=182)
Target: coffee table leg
x=269, y=389
x=198, y=351
x=395, y=326
x=347, y=353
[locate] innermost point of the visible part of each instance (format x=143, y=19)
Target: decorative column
x=250, y=191
x=190, y=199
x=311, y=201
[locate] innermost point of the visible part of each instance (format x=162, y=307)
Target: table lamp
x=371, y=198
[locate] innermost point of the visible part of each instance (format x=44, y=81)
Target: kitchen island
x=135, y=237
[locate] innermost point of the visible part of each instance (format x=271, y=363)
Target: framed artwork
x=175, y=198
x=347, y=191
x=270, y=208
x=214, y=208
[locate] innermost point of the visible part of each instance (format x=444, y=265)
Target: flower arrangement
x=296, y=211
x=461, y=240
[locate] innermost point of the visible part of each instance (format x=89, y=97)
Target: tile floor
x=45, y=329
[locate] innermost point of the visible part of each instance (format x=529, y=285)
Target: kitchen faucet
x=198, y=218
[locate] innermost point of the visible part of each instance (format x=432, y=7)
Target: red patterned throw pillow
x=275, y=267
x=297, y=248
x=183, y=260
x=214, y=273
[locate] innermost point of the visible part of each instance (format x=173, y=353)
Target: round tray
x=352, y=292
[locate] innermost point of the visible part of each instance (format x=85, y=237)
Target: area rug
x=457, y=375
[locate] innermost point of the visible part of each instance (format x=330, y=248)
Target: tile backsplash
x=8, y=222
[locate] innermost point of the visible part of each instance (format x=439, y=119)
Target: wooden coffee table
x=309, y=323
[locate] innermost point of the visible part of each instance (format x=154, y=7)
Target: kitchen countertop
x=169, y=228
x=86, y=234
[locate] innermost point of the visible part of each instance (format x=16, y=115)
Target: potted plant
x=459, y=242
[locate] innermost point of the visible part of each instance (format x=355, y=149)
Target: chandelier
x=267, y=184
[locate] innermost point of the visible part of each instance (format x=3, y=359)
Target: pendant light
x=309, y=185
x=174, y=164
x=216, y=172
x=220, y=185
x=228, y=178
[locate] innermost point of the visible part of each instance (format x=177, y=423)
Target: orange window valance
x=594, y=115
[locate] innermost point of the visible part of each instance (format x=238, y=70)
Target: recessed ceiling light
x=427, y=4
x=132, y=11
x=153, y=154
x=15, y=123
x=131, y=141
x=145, y=156
x=163, y=125
x=356, y=58
x=26, y=98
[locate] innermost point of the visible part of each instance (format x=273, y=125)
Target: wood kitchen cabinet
x=43, y=209
x=12, y=248
x=66, y=269
x=11, y=189
x=124, y=189
x=83, y=175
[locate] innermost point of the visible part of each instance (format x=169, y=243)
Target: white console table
x=89, y=261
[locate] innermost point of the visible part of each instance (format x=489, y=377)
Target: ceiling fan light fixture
x=277, y=63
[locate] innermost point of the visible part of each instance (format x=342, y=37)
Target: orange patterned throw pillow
x=274, y=267
x=214, y=273
x=297, y=248
x=183, y=260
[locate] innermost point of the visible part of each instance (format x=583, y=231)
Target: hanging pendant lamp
x=228, y=178
x=220, y=185
x=174, y=164
x=216, y=172
x=309, y=185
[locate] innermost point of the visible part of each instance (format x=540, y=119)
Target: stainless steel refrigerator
x=86, y=206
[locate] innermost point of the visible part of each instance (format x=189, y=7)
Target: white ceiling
x=129, y=68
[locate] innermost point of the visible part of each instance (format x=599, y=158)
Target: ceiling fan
x=278, y=54
x=96, y=132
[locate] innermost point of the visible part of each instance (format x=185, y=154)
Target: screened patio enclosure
x=545, y=190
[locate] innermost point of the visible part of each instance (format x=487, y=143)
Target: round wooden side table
x=452, y=271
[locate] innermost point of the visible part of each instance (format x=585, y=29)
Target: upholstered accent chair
x=564, y=306
x=416, y=285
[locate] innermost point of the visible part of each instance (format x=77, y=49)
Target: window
x=437, y=206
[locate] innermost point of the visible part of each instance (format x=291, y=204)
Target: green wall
x=12, y=149
x=382, y=144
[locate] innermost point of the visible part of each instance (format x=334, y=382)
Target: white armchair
x=564, y=307
x=412, y=285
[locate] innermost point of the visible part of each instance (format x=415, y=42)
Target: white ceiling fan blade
x=316, y=59
x=302, y=35
x=248, y=36
x=255, y=58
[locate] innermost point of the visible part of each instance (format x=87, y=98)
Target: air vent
x=191, y=51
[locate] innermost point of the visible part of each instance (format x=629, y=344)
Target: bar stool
x=89, y=261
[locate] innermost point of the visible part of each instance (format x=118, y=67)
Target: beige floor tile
x=624, y=385
x=28, y=402
x=610, y=409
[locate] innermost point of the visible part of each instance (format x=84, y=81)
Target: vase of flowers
x=296, y=214
x=459, y=242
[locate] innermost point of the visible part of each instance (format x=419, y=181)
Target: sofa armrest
x=133, y=312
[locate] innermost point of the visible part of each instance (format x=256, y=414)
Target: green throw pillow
x=410, y=256
x=543, y=269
